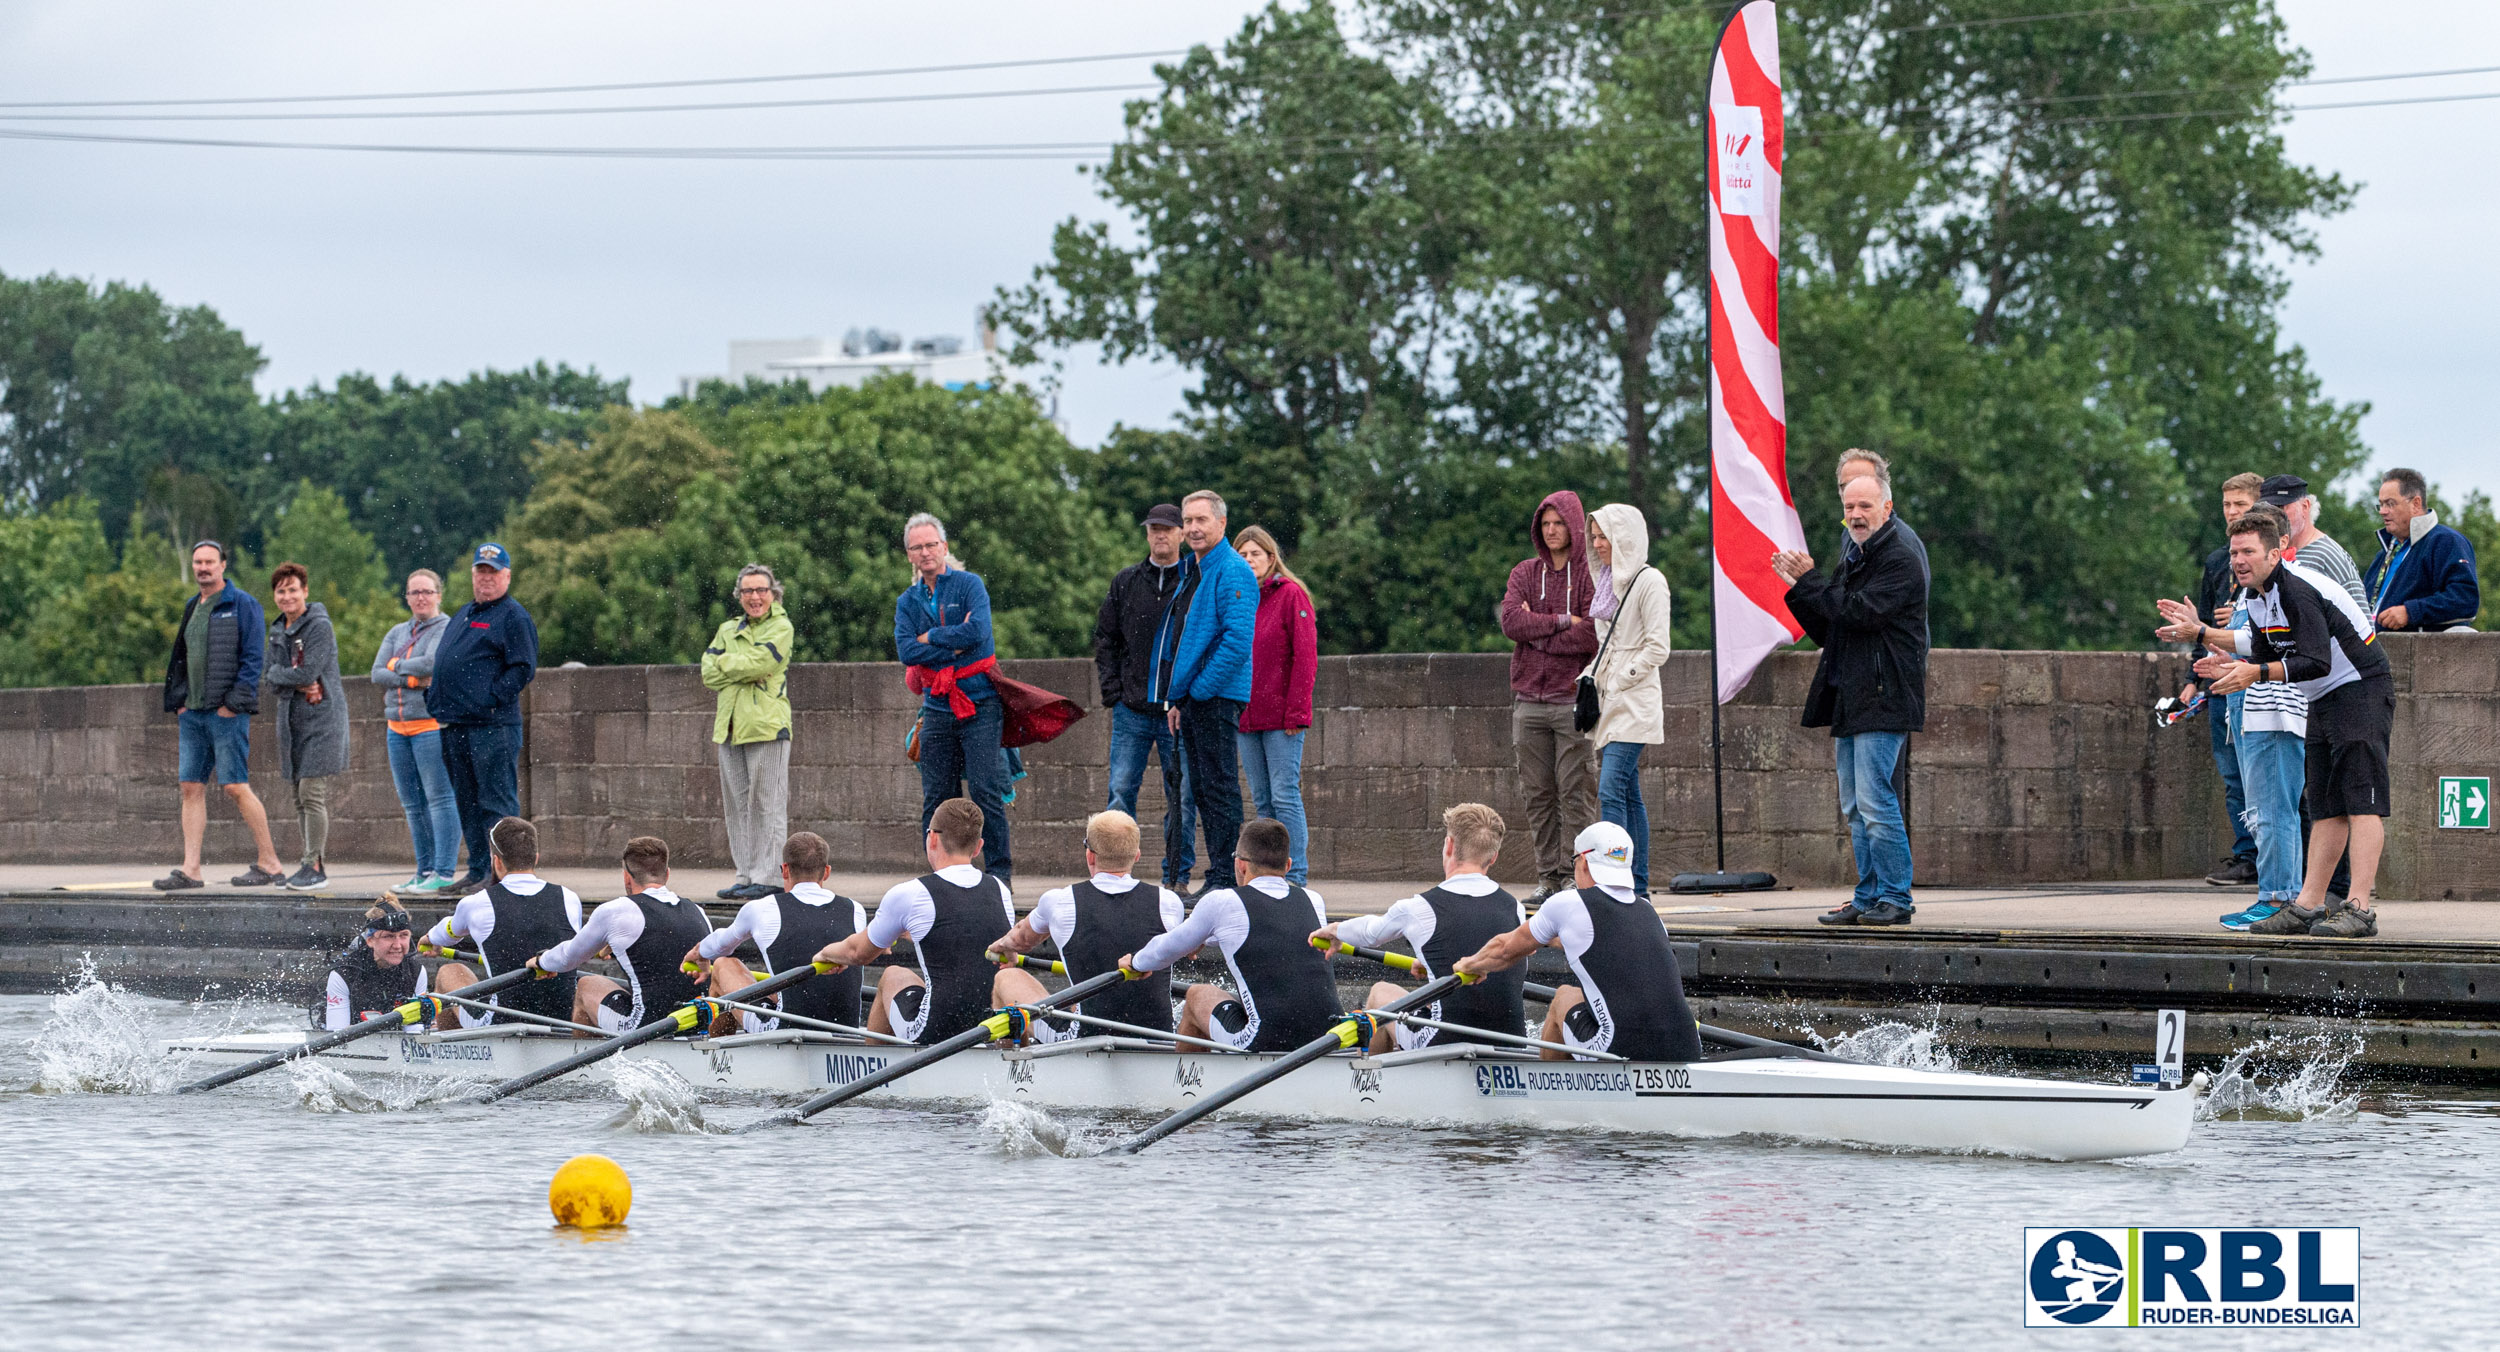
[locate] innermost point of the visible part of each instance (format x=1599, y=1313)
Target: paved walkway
x=2124, y=908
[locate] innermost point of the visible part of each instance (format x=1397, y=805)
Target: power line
x=429, y=114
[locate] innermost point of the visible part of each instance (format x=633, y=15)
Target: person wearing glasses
x=404, y=668
x=942, y=635
x=748, y=666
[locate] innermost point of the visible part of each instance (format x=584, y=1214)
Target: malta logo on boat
x=2096, y=1278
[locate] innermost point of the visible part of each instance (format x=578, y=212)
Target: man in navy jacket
x=212, y=687
x=488, y=656
x=1208, y=680
x=942, y=635
x=2423, y=577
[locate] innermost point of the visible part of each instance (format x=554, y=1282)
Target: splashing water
x=96, y=1042
x=324, y=1089
x=1909, y=1046
x=2293, y=1076
x=658, y=1101
x=1022, y=1131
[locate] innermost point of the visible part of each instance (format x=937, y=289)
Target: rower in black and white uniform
x=1263, y=926
x=1095, y=923
x=953, y=913
x=787, y=928
x=509, y=920
x=647, y=931
x=1442, y=925
x=1630, y=1000
x=375, y=973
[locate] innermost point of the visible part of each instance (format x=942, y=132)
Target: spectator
x=1870, y=684
x=2424, y=576
x=2303, y=542
x=1545, y=615
x=212, y=687
x=1632, y=612
x=2216, y=599
x=303, y=672
x=487, y=657
x=1208, y=631
x=1124, y=661
x=748, y=663
x=942, y=635
x=404, y=668
x=1284, y=667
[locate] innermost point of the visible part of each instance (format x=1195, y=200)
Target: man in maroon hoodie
x=1545, y=614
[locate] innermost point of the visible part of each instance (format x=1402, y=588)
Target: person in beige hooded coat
x=1632, y=611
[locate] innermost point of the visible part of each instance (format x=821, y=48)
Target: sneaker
x=309, y=878
x=1846, y=914
x=177, y=881
x=2351, y=922
x=733, y=892
x=2240, y=920
x=413, y=884
x=2234, y=872
x=255, y=876
x=2289, y=920
x=1547, y=888
x=1885, y=913
x=753, y=891
x=436, y=882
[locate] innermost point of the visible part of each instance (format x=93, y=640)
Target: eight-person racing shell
x=1443, y=924
x=788, y=928
x=952, y=916
x=1618, y=948
x=1263, y=927
x=511, y=920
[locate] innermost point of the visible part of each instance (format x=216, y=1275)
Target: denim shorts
x=212, y=741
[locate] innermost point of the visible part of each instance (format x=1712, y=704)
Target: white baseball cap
x=1608, y=848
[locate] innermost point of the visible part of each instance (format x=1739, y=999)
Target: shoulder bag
x=1584, y=709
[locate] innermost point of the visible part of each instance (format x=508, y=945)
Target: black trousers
x=1208, y=730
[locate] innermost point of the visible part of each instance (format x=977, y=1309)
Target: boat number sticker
x=1514, y=1081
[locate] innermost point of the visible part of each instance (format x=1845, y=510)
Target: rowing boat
x=1748, y=1094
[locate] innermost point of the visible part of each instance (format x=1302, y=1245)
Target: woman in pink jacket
x=1284, y=665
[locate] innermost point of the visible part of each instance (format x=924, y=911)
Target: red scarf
x=941, y=681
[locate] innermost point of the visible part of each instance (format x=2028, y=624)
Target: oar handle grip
x=1027, y=960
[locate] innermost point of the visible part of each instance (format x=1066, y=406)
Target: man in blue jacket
x=212, y=686
x=942, y=636
x=488, y=656
x=1207, y=630
x=2423, y=577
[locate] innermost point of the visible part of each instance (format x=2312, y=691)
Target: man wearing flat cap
x=488, y=656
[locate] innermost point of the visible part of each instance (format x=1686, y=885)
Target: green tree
x=45, y=555
x=114, y=627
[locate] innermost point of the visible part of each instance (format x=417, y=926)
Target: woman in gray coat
x=303, y=674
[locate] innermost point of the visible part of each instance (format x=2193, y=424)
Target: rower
x=1630, y=1000
x=1442, y=925
x=509, y=919
x=787, y=927
x=952, y=913
x=1263, y=925
x=375, y=972
x=1094, y=923
x=647, y=931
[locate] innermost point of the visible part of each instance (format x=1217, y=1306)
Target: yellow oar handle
x=1403, y=962
x=1025, y=960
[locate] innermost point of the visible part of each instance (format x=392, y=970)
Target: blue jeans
x=965, y=751
x=1273, y=763
x=1619, y=801
x=424, y=784
x=1210, y=734
x=485, y=764
x=2273, y=765
x=2227, y=762
x=1133, y=737
x=214, y=743
x=1871, y=802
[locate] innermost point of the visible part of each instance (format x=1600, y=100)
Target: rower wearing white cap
x=1443, y=924
x=1263, y=926
x=1630, y=1000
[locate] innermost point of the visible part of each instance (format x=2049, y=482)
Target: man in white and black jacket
x=1124, y=658
x=2316, y=639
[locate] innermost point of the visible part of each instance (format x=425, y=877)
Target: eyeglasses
x=924, y=547
x=755, y=591
x=424, y=591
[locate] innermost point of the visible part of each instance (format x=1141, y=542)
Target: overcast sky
x=437, y=265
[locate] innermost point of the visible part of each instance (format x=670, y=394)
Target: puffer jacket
x=748, y=662
x=234, y=654
x=1633, y=645
x=406, y=657
x=304, y=652
x=1536, y=605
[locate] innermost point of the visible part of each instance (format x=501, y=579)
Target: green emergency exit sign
x=2465, y=803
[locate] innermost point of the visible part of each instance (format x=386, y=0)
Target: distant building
x=824, y=363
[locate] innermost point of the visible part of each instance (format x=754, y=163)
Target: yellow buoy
x=590, y=1192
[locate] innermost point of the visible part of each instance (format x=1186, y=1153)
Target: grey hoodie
x=411, y=642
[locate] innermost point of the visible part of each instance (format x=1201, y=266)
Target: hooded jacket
x=1548, y=651
x=1284, y=659
x=1870, y=616
x=303, y=653
x=234, y=649
x=406, y=655
x=2430, y=573
x=1633, y=645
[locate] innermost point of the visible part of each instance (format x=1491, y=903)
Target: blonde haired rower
x=1094, y=923
x=1443, y=924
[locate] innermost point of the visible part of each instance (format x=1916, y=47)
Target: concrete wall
x=2035, y=767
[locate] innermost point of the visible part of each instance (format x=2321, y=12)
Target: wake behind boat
x=1750, y=1094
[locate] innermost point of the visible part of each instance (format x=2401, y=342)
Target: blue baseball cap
x=491, y=555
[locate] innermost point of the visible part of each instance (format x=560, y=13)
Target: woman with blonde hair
x=1284, y=666
x=1632, y=611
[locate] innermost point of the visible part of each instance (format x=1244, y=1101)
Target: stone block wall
x=2035, y=767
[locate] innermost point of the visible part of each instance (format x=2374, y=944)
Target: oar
x=686, y=1018
x=1004, y=1023
x=1710, y=1032
x=1034, y=961
x=415, y=1011
x=1355, y=1031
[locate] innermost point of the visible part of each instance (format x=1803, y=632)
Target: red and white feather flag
x=1751, y=514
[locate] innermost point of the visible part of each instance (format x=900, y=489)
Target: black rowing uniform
x=359, y=987
x=952, y=916
x=1618, y=948
x=1263, y=927
x=1100, y=921
x=1442, y=925
x=789, y=929
x=648, y=934
x=511, y=920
